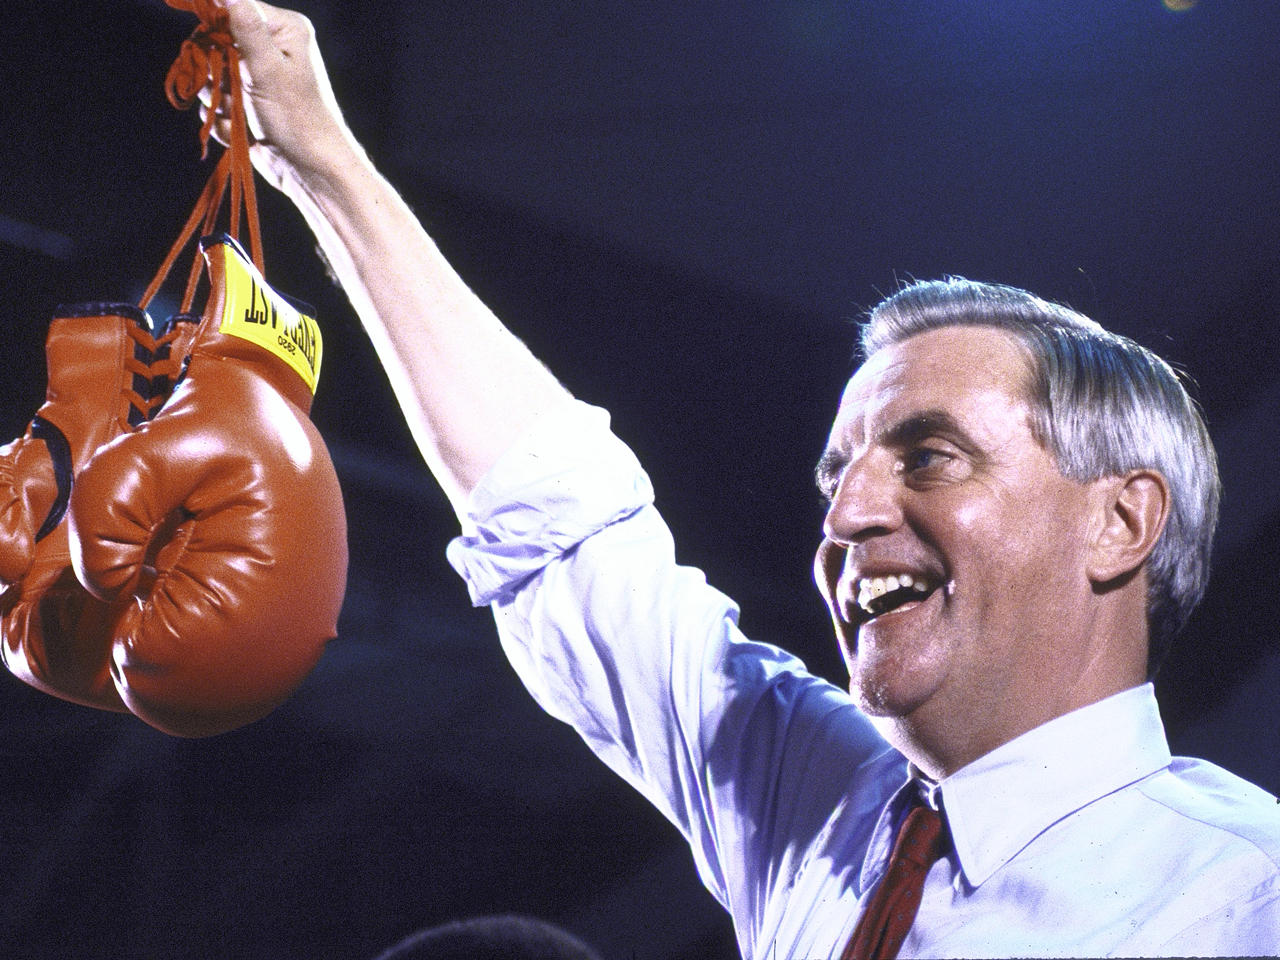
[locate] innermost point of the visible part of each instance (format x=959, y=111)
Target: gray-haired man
x=1012, y=527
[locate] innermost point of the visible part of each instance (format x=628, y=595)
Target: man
x=1038, y=460
x=1011, y=520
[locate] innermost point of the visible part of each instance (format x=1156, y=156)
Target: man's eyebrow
x=921, y=425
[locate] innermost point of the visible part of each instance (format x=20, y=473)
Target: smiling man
x=1026, y=590
x=1021, y=509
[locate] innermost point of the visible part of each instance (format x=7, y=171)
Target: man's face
x=955, y=551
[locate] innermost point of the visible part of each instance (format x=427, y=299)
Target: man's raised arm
x=466, y=385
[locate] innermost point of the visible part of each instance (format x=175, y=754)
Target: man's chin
x=890, y=692
x=878, y=701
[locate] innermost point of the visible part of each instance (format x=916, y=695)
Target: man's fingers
x=221, y=125
x=250, y=30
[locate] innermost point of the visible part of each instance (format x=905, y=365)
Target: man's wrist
x=332, y=168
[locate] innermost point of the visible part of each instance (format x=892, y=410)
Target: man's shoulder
x=1226, y=808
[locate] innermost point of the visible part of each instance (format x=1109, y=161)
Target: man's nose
x=867, y=501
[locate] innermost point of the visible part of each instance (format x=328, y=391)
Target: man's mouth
x=881, y=595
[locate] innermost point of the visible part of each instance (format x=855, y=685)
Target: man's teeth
x=872, y=588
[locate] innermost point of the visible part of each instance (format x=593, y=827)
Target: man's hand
x=295, y=124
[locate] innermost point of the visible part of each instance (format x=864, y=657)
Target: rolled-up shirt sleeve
x=565, y=480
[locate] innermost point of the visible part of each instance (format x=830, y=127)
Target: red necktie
x=892, y=909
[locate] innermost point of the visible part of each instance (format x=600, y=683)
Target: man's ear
x=1133, y=511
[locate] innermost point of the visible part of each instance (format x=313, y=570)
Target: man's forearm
x=466, y=385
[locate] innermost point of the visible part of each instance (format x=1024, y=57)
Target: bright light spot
x=1178, y=6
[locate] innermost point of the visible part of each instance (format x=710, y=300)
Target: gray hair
x=1103, y=405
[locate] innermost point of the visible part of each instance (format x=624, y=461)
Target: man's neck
x=941, y=742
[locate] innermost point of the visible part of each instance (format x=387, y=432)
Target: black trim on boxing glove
x=60, y=454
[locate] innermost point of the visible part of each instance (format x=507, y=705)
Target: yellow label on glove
x=255, y=312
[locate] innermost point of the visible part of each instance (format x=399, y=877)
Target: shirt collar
x=1002, y=801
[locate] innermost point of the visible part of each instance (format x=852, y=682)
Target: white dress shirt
x=1082, y=837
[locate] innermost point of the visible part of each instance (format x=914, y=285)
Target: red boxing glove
x=219, y=523
x=106, y=375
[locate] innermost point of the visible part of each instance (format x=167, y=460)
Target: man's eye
x=827, y=486
x=924, y=458
x=827, y=476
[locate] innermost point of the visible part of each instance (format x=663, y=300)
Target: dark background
x=683, y=206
